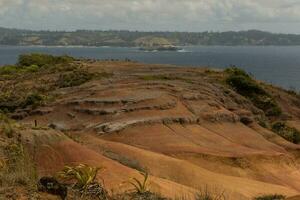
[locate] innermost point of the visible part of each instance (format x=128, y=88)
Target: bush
x=74, y=78
x=270, y=197
x=14, y=70
x=83, y=175
x=9, y=70
x=7, y=126
x=33, y=99
x=42, y=59
x=31, y=68
x=237, y=71
x=141, y=187
x=288, y=133
x=15, y=98
x=243, y=84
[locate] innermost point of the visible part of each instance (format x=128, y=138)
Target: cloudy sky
x=180, y=15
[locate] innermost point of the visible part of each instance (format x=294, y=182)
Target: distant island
x=144, y=40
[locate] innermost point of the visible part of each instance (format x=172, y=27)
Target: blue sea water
x=279, y=65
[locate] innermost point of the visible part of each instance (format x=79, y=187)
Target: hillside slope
x=186, y=127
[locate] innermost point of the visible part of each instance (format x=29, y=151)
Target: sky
x=281, y=16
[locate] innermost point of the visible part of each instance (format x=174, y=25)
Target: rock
x=58, y=126
x=246, y=120
x=52, y=186
x=117, y=126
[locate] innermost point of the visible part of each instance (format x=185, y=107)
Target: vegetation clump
x=243, y=84
x=289, y=133
x=15, y=98
x=141, y=190
x=135, y=196
x=83, y=175
x=19, y=169
x=12, y=70
x=74, y=78
x=141, y=187
x=32, y=63
x=41, y=60
x=7, y=126
x=270, y=197
x=206, y=193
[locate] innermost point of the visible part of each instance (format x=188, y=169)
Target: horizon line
x=145, y=31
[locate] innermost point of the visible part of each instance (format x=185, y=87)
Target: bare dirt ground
x=182, y=125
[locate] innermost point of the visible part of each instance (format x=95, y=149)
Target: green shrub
x=82, y=174
x=233, y=70
x=7, y=126
x=243, y=84
x=74, y=78
x=140, y=187
x=288, y=133
x=42, y=59
x=33, y=99
x=14, y=70
x=13, y=99
x=9, y=70
x=270, y=197
x=31, y=68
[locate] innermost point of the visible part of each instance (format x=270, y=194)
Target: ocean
x=279, y=65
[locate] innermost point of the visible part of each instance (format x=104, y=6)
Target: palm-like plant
x=141, y=187
x=83, y=174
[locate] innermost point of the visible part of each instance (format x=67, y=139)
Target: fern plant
x=84, y=175
x=141, y=187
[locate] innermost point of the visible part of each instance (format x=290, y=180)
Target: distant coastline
x=89, y=38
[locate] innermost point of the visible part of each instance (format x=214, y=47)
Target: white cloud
x=6, y=5
x=190, y=15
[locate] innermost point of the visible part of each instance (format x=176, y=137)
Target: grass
x=289, y=133
x=135, y=196
x=246, y=86
x=7, y=126
x=19, y=170
x=140, y=187
x=206, y=193
x=270, y=197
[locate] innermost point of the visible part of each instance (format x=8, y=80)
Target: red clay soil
x=185, y=130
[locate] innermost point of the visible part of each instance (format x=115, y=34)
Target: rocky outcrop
x=117, y=126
